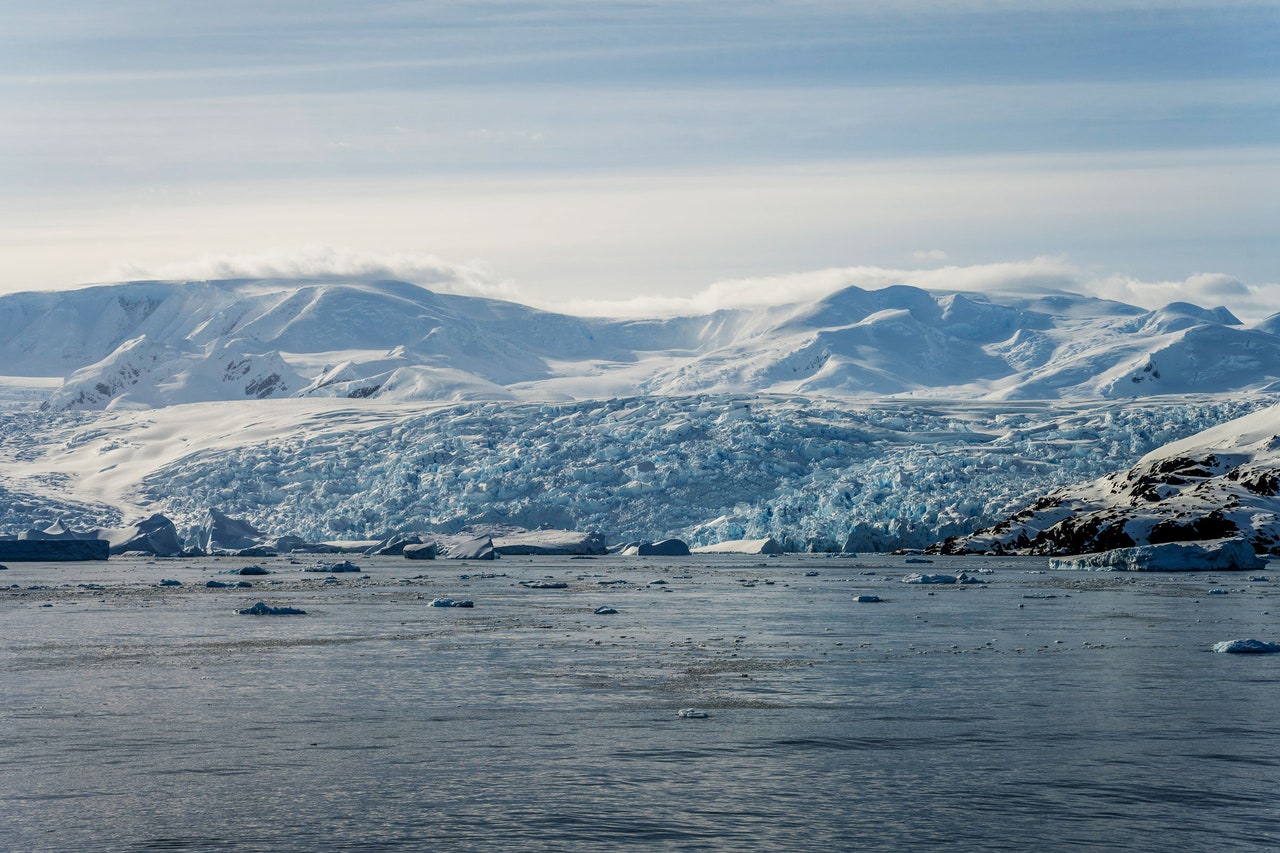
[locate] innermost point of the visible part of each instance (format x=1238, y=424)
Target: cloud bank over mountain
x=318, y=263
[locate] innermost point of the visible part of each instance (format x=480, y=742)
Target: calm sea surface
x=1038, y=711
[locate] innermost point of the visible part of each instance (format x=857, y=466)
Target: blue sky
x=564, y=152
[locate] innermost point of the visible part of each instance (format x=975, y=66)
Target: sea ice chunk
x=263, y=609
x=1247, y=646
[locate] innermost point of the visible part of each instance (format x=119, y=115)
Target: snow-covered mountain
x=327, y=410
x=1222, y=482
x=160, y=343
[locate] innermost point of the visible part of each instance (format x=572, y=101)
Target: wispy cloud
x=1039, y=275
x=325, y=263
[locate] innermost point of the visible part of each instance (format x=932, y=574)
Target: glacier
x=811, y=473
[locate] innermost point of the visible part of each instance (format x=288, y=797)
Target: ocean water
x=1037, y=711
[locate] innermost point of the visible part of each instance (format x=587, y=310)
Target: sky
x=626, y=157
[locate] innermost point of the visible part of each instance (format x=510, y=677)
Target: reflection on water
x=965, y=719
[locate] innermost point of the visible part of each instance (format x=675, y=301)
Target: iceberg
x=264, y=609
x=1247, y=646
x=551, y=543
x=475, y=549
x=767, y=545
x=1234, y=554
x=665, y=548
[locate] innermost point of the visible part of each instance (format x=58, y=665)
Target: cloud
x=1038, y=275
x=326, y=263
x=935, y=255
x=1206, y=289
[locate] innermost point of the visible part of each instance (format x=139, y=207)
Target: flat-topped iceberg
x=550, y=542
x=1234, y=554
x=742, y=546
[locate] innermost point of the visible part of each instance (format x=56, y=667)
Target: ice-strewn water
x=1039, y=711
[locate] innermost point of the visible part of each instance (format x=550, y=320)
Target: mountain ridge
x=155, y=343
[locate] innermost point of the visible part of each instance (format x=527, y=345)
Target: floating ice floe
x=923, y=578
x=605, y=611
x=544, y=584
x=941, y=578
x=1247, y=646
x=228, y=585
x=451, y=602
x=169, y=582
x=263, y=609
x=867, y=599
x=335, y=568
x=692, y=714
x=1210, y=555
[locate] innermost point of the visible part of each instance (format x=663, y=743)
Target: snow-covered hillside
x=1222, y=482
x=808, y=472
x=160, y=343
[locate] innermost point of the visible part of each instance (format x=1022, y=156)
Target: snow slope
x=1222, y=482
x=161, y=343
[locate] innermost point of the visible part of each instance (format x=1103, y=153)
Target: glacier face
x=152, y=344
x=809, y=472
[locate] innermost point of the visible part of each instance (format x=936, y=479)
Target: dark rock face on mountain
x=1218, y=484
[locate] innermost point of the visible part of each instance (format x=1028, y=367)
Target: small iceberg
x=1248, y=646
x=922, y=578
x=664, y=548
x=247, y=570
x=544, y=584
x=940, y=578
x=867, y=599
x=228, y=584
x=169, y=582
x=692, y=714
x=605, y=611
x=450, y=602
x=420, y=551
x=344, y=566
x=263, y=609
